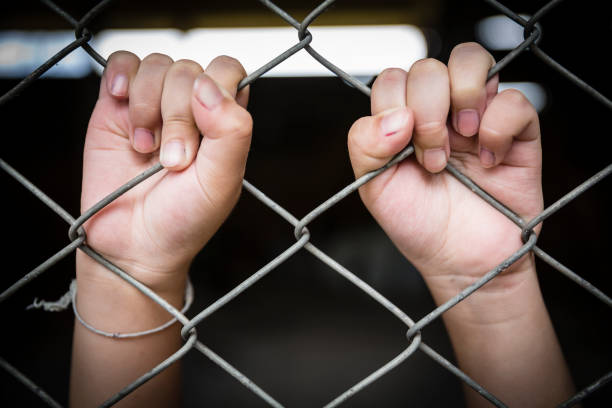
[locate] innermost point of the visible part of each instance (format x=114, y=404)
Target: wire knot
x=300, y=230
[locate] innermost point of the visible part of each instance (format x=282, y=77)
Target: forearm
x=102, y=366
x=503, y=338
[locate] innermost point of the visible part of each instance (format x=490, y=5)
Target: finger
x=121, y=68
x=468, y=67
x=145, y=102
x=510, y=117
x=428, y=95
x=389, y=90
x=226, y=127
x=491, y=87
x=374, y=140
x=228, y=72
x=179, y=137
x=460, y=143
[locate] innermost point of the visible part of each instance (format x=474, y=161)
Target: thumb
x=374, y=140
x=226, y=128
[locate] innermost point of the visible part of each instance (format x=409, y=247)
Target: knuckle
x=144, y=111
x=491, y=134
x=428, y=65
x=467, y=92
x=430, y=128
x=360, y=141
x=229, y=61
x=122, y=55
x=471, y=52
x=121, y=61
x=470, y=46
x=357, y=127
x=178, y=120
x=157, y=58
x=245, y=121
x=392, y=74
x=516, y=98
x=187, y=66
x=240, y=124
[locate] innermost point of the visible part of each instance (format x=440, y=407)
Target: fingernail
x=207, y=93
x=468, y=122
x=487, y=157
x=393, y=122
x=172, y=153
x=119, y=86
x=434, y=159
x=144, y=141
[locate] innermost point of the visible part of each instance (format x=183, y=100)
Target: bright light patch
x=361, y=51
x=533, y=91
x=358, y=50
x=140, y=42
x=21, y=52
x=500, y=32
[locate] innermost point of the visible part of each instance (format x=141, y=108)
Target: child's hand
x=501, y=334
x=450, y=234
x=156, y=109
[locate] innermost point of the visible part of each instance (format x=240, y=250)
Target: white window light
x=499, y=32
x=534, y=92
x=141, y=42
x=358, y=50
x=362, y=51
x=21, y=52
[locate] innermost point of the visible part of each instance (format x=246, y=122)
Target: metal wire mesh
x=532, y=33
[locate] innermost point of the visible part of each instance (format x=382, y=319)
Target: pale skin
x=502, y=335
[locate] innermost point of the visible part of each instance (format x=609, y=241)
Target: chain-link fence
x=414, y=342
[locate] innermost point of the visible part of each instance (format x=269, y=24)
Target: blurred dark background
x=303, y=333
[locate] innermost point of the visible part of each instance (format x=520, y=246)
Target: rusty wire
x=532, y=33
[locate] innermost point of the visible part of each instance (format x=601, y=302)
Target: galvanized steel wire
x=532, y=33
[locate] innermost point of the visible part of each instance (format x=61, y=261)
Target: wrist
x=111, y=304
x=167, y=282
x=508, y=296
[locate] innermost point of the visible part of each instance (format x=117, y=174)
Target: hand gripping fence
x=532, y=32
